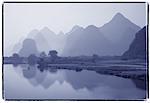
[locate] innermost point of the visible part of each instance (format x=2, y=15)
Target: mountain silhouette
x=117, y=27
x=137, y=49
x=86, y=41
x=49, y=35
x=113, y=38
x=17, y=46
x=28, y=47
x=45, y=40
x=55, y=41
x=32, y=33
x=121, y=32
x=40, y=40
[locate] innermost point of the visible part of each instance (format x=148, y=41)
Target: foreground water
x=28, y=82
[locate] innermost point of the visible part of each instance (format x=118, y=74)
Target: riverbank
x=133, y=69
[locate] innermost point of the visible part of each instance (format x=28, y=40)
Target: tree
x=32, y=59
x=53, y=55
x=15, y=55
x=43, y=54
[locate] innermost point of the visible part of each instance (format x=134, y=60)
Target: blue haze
x=20, y=19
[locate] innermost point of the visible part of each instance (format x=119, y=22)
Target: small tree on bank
x=43, y=55
x=15, y=55
x=53, y=55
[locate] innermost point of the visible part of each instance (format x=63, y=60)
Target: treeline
x=50, y=58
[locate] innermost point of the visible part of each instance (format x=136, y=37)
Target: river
x=28, y=82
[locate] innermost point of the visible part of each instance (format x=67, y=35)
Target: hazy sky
x=21, y=18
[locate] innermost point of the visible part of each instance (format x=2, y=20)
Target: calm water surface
x=28, y=82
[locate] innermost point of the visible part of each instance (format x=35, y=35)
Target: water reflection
x=140, y=84
x=29, y=72
x=15, y=64
x=77, y=78
x=46, y=77
x=62, y=83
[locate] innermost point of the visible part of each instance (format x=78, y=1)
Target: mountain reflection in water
x=87, y=84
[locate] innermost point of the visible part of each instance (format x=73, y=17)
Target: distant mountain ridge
x=40, y=40
x=81, y=42
x=113, y=38
x=117, y=26
x=121, y=32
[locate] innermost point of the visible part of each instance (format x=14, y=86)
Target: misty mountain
x=40, y=40
x=32, y=33
x=61, y=40
x=86, y=41
x=14, y=48
x=121, y=32
x=137, y=49
x=49, y=35
x=113, y=38
x=17, y=47
x=45, y=40
x=28, y=47
x=55, y=41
